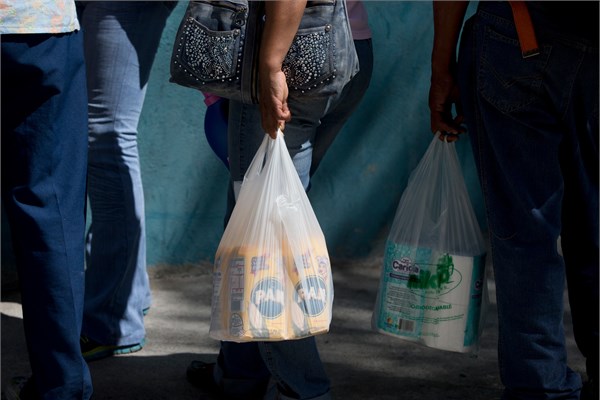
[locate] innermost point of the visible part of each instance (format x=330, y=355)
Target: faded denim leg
x=343, y=106
x=121, y=40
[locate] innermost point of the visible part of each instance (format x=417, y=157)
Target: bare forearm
x=447, y=21
x=282, y=21
x=444, y=91
x=281, y=24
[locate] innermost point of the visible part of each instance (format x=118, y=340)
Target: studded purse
x=217, y=44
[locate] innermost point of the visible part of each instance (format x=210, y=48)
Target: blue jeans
x=44, y=157
x=533, y=125
x=294, y=365
x=341, y=109
x=246, y=369
x=121, y=40
x=312, y=130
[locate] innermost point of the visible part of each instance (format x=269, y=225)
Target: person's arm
x=281, y=23
x=447, y=21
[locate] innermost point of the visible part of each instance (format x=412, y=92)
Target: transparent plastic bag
x=433, y=286
x=272, y=276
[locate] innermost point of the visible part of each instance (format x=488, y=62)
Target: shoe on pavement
x=93, y=351
x=200, y=374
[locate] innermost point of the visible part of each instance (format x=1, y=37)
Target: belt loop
x=525, y=31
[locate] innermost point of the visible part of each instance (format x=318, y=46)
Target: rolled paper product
x=431, y=297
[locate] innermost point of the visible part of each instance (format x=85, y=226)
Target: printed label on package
x=311, y=295
x=431, y=296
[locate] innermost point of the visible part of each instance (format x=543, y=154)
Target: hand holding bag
x=272, y=277
x=217, y=44
x=432, y=288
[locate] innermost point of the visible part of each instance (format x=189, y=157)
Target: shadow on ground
x=361, y=363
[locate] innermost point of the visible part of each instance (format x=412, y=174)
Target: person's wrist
x=270, y=65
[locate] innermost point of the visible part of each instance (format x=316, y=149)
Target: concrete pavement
x=362, y=364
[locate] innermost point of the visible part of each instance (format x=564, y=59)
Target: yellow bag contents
x=265, y=296
x=272, y=275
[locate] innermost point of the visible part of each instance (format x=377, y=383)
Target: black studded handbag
x=217, y=45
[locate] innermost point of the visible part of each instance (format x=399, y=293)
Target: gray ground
x=362, y=364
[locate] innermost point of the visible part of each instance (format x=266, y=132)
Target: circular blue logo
x=268, y=297
x=311, y=295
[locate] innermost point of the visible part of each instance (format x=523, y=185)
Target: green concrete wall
x=357, y=188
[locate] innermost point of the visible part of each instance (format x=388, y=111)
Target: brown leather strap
x=527, y=39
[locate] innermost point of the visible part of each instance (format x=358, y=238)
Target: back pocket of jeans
x=213, y=53
x=506, y=80
x=310, y=61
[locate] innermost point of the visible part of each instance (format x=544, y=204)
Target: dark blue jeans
x=533, y=124
x=44, y=158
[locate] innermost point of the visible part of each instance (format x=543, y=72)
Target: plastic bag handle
x=262, y=157
x=439, y=133
x=435, y=209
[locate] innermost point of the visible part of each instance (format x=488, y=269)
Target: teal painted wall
x=358, y=186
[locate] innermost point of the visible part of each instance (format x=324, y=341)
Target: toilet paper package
x=431, y=297
x=433, y=286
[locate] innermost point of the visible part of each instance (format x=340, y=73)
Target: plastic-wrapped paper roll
x=430, y=297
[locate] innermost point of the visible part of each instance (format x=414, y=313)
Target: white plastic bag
x=272, y=277
x=433, y=287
